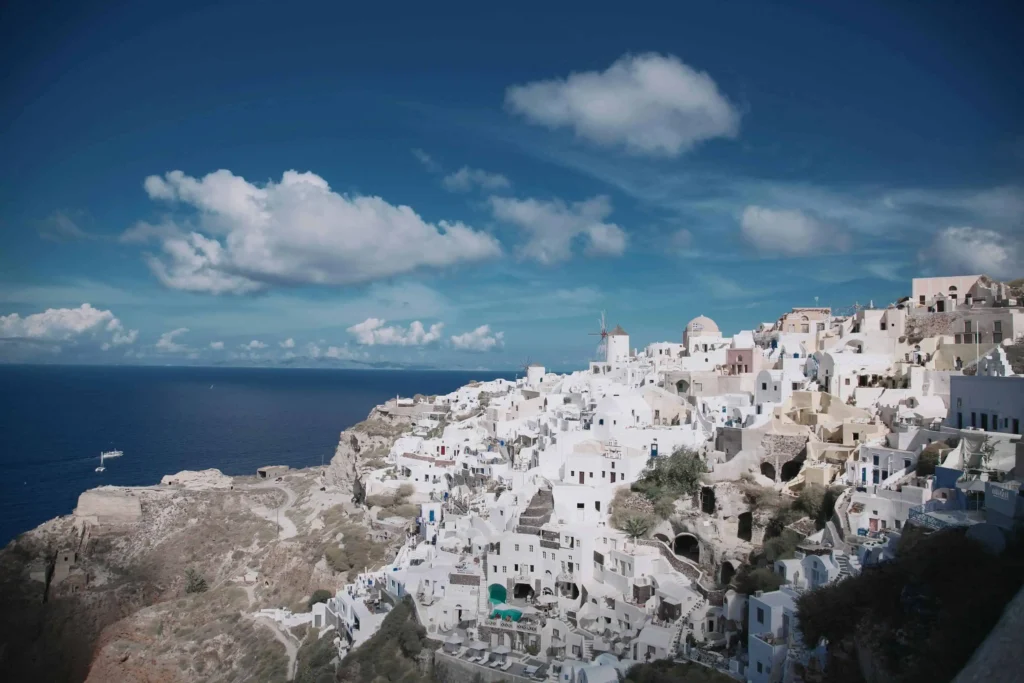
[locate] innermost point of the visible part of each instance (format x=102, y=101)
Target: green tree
x=761, y=579
x=319, y=595
x=680, y=474
x=194, y=581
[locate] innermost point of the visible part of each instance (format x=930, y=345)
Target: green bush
x=390, y=654
x=929, y=459
x=911, y=616
x=678, y=475
x=194, y=581
x=752, y=580
x=811, y=500
x=319, y=595
x=358, y=553
x=666, y=671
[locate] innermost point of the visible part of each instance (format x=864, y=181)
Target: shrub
x=929, y=459
x=811, y=500
x=390, y=654
x=194, y=581
x=762, y=579
x=319, y=595
x=678, y=475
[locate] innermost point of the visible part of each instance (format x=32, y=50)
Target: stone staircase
x=537, y=513
x=849, y=565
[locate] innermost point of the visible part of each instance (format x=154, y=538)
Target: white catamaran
x=108, y=454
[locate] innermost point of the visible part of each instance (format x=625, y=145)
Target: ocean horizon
x=56, y=419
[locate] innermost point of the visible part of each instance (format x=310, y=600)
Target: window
x=874, y=461
x=579, y=506
x=517, y=547
x=544, y=554
x=613, y=466
x=967, y=327
x=760, y=615
x=576, y=650
x=494, y=568
x=760, y=668
x=601, y=421
x=805, y=328
x=974, y=419
x=856, y=436
x=504, y=569
x=764, y=386
x=515, y=567
x=531, y=548
x=847, y=381
x=597, y=505
x=602, y=474
x=920, y=299
x=531, y=568
x=796, y=386
x=572, y=473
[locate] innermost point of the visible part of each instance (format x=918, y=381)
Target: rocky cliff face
x=100, y=595
x=362, y=447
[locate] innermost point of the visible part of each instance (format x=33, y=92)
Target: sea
x=55, y=421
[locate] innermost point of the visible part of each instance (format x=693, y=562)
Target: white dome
x=702, y=326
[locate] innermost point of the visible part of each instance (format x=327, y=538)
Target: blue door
x=654, y=450
x=431, y=515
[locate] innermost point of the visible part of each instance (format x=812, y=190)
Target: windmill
x=526, y=366
x=602, y=346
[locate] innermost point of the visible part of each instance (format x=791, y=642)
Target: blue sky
x=459, y=185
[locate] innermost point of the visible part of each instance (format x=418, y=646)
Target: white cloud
x=648, y=103
x=372, y=332
x=332, y=352
x=254, y=345
x=288, y=343
x=552, y=225
x=465, y=179
x=217, y=345
x=60, y=227
x=69, y=325
x=168, y=344
x=296, y=231
x=976, y=251
x=789, y=233
x=480, y=339
x=427, y=161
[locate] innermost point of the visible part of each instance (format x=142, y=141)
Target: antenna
x=602, y=346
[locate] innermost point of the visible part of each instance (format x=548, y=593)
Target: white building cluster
x=515, y=565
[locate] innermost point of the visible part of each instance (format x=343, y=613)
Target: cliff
x=100, y=595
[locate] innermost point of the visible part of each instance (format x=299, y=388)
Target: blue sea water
x=55, y=421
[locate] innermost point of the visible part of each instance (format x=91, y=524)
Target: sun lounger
x=507, y=665
x=494, y=664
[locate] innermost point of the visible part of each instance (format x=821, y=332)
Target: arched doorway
x=768, y=470
x=745, y=529
x=791, y=469
x=728, y=571
x=707, y=500
x=686, y=545
x=682, y=386
x=522, y=591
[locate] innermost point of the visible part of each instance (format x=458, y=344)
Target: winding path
x=279, y=515
x=290, y=647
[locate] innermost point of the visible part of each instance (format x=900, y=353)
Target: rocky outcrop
x=362, y=446
x=109, y=506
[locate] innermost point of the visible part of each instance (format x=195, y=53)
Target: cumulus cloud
x=296, y=231
x=68, y=325
x=465, y=179
x=254, y=345
x=789, y=233
x=372, y=332
x=217, y=345
x=976, y=251
x=315, y=352
x=288, y=343
x=481, y=339
x=650, y=104
x=167, y=343
x=553, y=225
